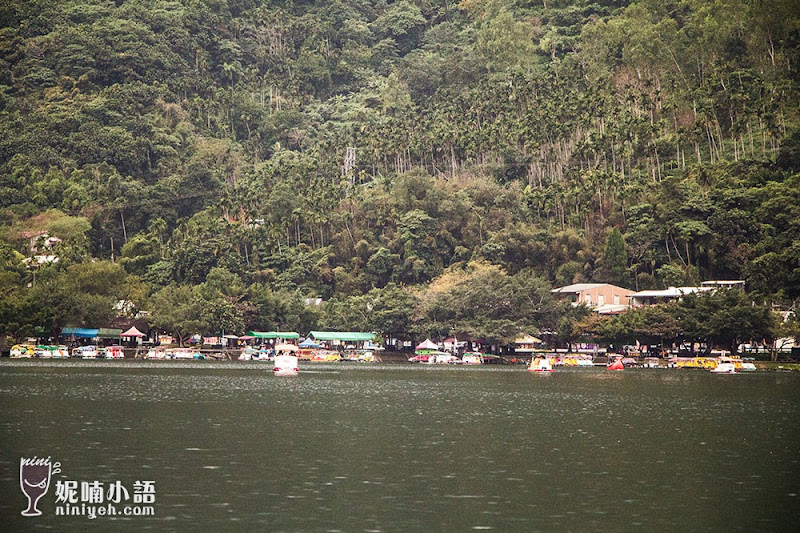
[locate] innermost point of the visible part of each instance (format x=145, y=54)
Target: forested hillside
x=428, y=166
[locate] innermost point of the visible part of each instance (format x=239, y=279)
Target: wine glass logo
x=34, y=480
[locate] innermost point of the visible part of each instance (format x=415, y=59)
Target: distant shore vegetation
x=423, y=168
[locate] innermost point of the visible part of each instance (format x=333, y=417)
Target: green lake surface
x=413, y=448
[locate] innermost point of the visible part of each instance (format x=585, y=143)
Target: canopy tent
x=427, y=344
x=352, y=336
x=109, y=333
x=285, y=348
x=133, y=332
x=309, y=343
x=528, y=339
x=274, y=334
x=85, y=333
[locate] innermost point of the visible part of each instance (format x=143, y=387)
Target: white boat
x=365, y=356
x=248, y=354
x=472, y=358
x=185, y=353
x=285, y=365
x=444, y=358
x=86, y=352
x=436, y=358
x=156, y=353
x=724, y=366
x=651, y=362
x=114, y=352
x=48, y=352
x=541, y=364
x=61, y=352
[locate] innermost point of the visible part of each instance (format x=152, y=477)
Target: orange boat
x=617, y=364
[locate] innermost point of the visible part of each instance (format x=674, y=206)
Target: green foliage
x=84, y=294
x=139, y=253
x=179, y=310
x=726, y=318
x=332, y=149
x=723, y=318
x=482, y=301
x=615, y=259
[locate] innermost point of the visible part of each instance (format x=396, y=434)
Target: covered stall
x=132, y=333
x=309, y=343
x=341, y=336
x=426, y=345
x=286, y=348
x=109, y=333
x=80, y=333
x=285, y=335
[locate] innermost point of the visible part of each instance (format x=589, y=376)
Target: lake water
x=348, y=447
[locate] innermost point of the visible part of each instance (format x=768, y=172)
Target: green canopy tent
x=345, y=336
x=273, y=334
x=109, y=333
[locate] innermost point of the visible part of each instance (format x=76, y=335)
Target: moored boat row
x=95, y=352
x=616, y=362
x=436, y=357
x=25, y=351
x=174, y=353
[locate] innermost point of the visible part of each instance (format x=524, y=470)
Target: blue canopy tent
x=309, y=343
x=85, y=333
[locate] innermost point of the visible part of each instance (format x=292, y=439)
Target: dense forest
x=424, y=167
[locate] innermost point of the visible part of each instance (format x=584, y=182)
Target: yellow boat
x=22, y=351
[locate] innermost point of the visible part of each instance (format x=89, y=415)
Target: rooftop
x=672, y=292
x=578, y=287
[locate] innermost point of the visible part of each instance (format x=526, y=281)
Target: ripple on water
x=429, y=448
